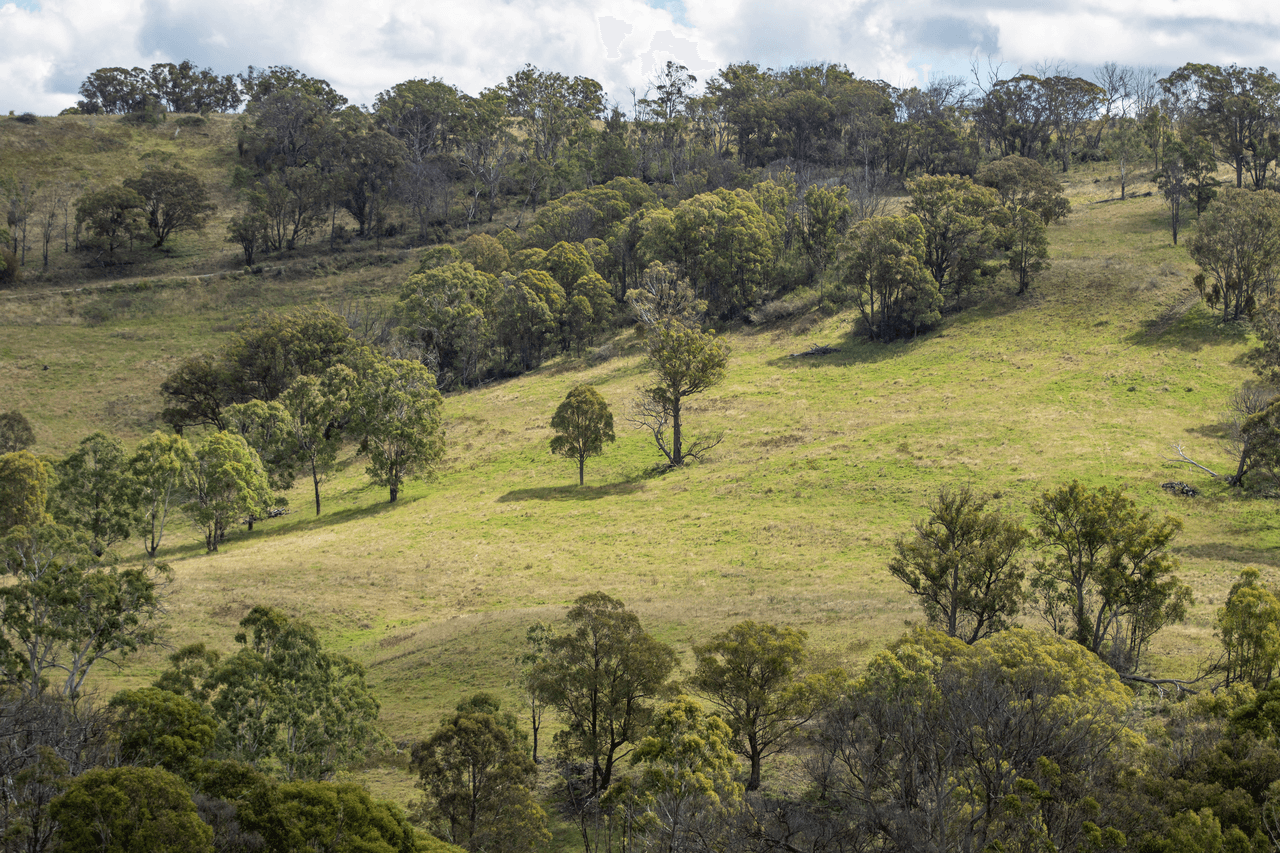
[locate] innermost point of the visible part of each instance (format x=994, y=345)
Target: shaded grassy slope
x=1109, y=361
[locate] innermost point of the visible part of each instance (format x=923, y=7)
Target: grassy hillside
x=1109, y=361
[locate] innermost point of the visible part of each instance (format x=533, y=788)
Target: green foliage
x=396, y=414
x=1024, y=183
x=962, y=224
x=1016, y=742
x=601, y=676
x=477, y=781
x=1234, y=109
x=15, y=432
x=314, y=408
x=724, y=243
x=157, y=468
x=266, y=428
x=1027, y=239
x=174, y=199
x=686, y=784
x=224, y=484
x=24, y=490
x=63, y=612
x=963, y=564
x=827, y=216
x=267, y=353
x=449, y=311
x=129, y=810
x=281, y=702
x=528, y=310
x=1249, y=628
x=582, y=423
x=157, y=728
x=685, y=361
x=1127, y=147
x=10, y=271
x=592, y=212
x=485, y=253
x=1238, y=246
x=758, y=677
x=113, y=217
x=307, y=816
x=1106, y=580
x=246, y=230
x=1186, y=174
x=96, y=492
x=883, y=273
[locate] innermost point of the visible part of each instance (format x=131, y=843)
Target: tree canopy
x=602, y=676
x=583, y=423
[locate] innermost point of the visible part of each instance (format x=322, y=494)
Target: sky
x=50, y=46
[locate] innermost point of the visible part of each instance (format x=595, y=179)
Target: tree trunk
x=315, y=479
x=677, y=452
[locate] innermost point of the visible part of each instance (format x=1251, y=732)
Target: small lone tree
x=685, y=361
x=583, y=423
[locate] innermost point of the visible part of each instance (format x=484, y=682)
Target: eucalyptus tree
x=582, y=423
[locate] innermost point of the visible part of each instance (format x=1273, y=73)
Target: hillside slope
x=1093, y=376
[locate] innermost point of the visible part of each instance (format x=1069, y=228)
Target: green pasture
x=1095, y=375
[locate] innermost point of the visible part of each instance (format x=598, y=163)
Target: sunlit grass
x=1106, y=363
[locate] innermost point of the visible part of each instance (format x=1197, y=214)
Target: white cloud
x=364, y=48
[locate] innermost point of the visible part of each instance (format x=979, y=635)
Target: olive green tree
x=62, y=611
x=685, y=361
x=225, y=483
x=395, y=412
x=883, y=272
x=758, y=677
x=1105, y=578
x=282, y=701
x=24, y=490
x=157, y=468
x=96, y=491
x=962, y=563
x=113, y=217
x=686, y=788
x=1249, y=628
x=129, y=810
x=601, y=675
x=477, y=780
x=583, y=423
x=174, y=199
x=1237, y=247
x=15, y=432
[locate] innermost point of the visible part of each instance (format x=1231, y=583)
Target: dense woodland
x=1022, y=712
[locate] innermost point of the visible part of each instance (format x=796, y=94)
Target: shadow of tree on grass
x=572, y=492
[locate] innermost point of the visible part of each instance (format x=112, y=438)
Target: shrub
x=10, y=273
